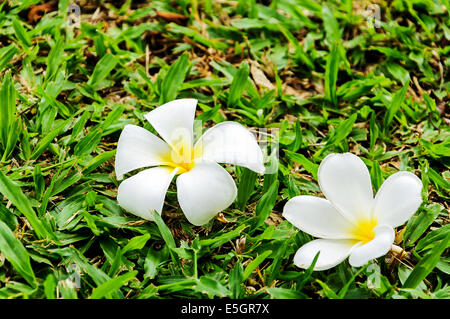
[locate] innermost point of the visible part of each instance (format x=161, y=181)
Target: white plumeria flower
x=204, y=188
x=350, y=221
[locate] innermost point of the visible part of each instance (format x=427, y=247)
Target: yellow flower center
x=363, y=230
x=182, y=156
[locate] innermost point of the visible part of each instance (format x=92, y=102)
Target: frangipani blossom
x=350, y=222
x=204, y=188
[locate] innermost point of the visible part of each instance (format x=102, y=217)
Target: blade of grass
x=16, y=254
x=246, y=185
x=397, y=101
x=112, y=285
x=174, y=79
x=14, y=194
x=45, y=142
x=238, y=84
x=266, y=204
x=7, y=107
x=255, y=263
x=103, y=67
x=331, y=72
x=427, y=264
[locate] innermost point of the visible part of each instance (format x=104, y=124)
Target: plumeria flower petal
x=345, y=182
x=379, y=246
x=204, y=188
x=332, y=253
x=145, y=189
x=308, y=213
x=350, y=222
x=138, y=148
x=398, y=199
x=231, y=143
x=174, y=121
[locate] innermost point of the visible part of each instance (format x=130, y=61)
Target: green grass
x=317, y=71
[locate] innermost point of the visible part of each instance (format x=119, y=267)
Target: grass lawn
x=318, y=77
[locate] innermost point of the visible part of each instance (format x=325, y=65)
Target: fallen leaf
x=288, y=90
x=172, y=17
x=37, y=11
x=259, y=77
